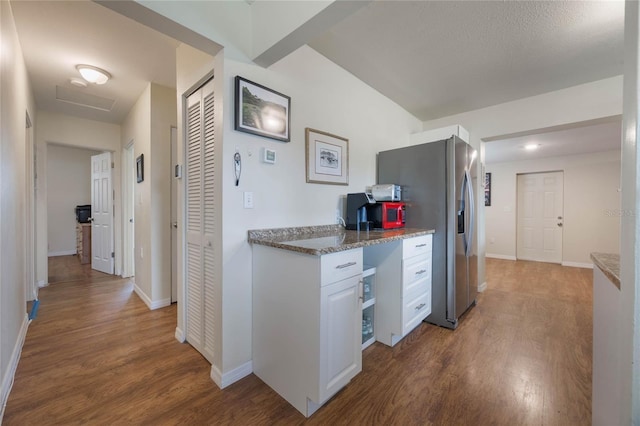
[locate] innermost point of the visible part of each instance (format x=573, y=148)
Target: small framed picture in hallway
x=487, y=189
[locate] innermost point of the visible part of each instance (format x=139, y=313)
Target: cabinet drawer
x=415, y=311
x=416, y=289
x=335, y=267
x=415, y=246
x=415, y=269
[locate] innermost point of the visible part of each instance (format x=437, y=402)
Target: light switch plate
x=248, y=199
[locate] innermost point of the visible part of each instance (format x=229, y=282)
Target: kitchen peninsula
x=607, y=343
x=308, y=292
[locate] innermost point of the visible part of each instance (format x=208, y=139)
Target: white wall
x=16, y=101
x=163, y=117
x=148, y=125
x=591, y=204
x=76, y=132
x=628, y=314
x=324, y=97
x=585, y=102
x=69, y=185
x=136, y=127
x=228, y=23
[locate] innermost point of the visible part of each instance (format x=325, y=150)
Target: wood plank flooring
x=522, y=356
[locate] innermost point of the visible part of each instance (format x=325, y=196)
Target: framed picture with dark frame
x=327, y=158
x=140, y=168
x=262, y=111
x=487, y=189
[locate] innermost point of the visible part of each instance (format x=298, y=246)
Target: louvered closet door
x=200, y=226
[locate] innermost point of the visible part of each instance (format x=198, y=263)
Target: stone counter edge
x=609, y=264
x=267, y=237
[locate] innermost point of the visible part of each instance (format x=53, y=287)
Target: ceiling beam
x=281, y=27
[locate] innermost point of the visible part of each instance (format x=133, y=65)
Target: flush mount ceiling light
x=532, y=146
x=93, y=74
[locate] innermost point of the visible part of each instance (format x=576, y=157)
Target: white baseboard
x=180, y=337
x=500, y=256
x=150, y=303
x=42, y=284
x=62, y=253
x=578, y=265
x=224, y=380
x=482, y=287
x=7, y=380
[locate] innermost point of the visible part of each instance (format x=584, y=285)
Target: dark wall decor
x=262, y=111
x=140, y=168
x=487, y=189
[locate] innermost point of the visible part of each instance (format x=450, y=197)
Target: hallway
x=96, y=355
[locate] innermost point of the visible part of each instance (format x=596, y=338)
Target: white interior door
x=174, y=217
x=101, y=213
x=540, y=217
x=200, y=221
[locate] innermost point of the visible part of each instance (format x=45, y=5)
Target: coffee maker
x=357, y=204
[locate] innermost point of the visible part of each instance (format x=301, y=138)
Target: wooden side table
x=83, y=242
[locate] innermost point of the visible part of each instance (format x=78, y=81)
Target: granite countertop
x=324, y=239
x=609, y=264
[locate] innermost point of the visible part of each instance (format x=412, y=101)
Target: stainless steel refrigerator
x=437, y=182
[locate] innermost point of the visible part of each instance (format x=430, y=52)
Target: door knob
x=559, y=217
x=175, y=225
x=560, y=225
x=130, y=220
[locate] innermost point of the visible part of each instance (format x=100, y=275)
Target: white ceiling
x=603, y=136
x=439, y=58
x=58, y=35
x=432, y=58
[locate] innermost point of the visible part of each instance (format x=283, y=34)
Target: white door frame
x=31, y=287
x=128, y=211
x=181, y=333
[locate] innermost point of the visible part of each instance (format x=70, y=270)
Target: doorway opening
x=68, y=177
x=128, y=211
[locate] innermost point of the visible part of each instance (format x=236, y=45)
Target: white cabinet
x=340, y=357
x=403, y=291
x=307, y=320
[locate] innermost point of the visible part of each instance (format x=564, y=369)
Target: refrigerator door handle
x=472, y=212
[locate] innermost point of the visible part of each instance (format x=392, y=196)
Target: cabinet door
x=340, y=335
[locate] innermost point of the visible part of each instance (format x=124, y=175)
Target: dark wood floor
x=522, y=356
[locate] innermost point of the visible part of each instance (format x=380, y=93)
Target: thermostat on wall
x=269, y=156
